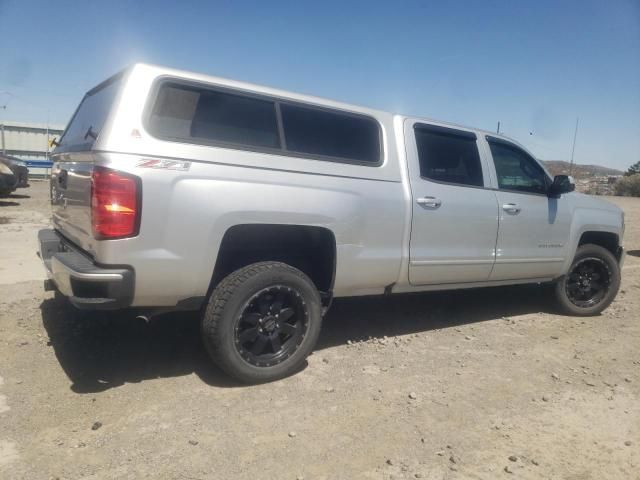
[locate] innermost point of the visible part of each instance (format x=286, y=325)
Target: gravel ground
x=481, y=384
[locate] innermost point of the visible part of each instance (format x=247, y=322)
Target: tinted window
x=89, y=119
x=320, y=132
x=187, y=112
x=447, y=155
x=516, y=170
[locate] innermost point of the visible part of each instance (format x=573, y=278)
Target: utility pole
x=498, y=130
x=4, y=150
x=47, y=150
x=573, y=149
x=4, y=107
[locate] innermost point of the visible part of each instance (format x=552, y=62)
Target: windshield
x=87, y=122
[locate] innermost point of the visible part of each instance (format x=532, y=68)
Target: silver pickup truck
x=178, y=191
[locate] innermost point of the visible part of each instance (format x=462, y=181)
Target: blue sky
x=534, y=65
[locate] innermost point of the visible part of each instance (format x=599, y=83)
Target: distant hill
x=559, y=167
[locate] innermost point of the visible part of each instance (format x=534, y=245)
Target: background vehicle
x=174, y=190
x=13, y=174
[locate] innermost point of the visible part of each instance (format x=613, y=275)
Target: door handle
x=429, y=202
x=512, y=208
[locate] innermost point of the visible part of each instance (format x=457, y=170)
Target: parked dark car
x=13, y=174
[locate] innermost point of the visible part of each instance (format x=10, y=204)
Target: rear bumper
x=88, y=285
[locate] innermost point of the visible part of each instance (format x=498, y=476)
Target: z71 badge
x=164, y=164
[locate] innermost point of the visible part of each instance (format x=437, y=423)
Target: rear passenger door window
x=449, y=156
x=192, y=113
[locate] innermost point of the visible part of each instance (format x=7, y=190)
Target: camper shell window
x=198, y=114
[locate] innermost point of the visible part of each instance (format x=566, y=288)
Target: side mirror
x=561, y=184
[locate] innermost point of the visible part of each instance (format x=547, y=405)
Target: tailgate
x=71, y=198
x=74, y=160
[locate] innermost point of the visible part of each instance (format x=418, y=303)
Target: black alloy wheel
x=591, y=284
x=262, y=322
x=588, y=282
x=271, y=326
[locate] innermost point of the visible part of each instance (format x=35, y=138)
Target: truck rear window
x=88, y=120
x=202, y=115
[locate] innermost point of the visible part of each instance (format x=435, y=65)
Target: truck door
x=455, y=213
x=534, y=229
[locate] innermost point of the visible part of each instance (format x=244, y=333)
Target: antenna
x=573, y=149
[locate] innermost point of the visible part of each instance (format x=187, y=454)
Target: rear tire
x=591, y=283
x=262, y=321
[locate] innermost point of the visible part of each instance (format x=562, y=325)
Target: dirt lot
x=476, y=384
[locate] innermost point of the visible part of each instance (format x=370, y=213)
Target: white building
x=29, y=142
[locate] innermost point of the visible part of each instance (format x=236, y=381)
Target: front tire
x=262, y=321
x=591, y=283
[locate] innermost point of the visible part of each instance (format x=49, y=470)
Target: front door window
x=516, y=170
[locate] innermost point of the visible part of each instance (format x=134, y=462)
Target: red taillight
x=115, y=204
